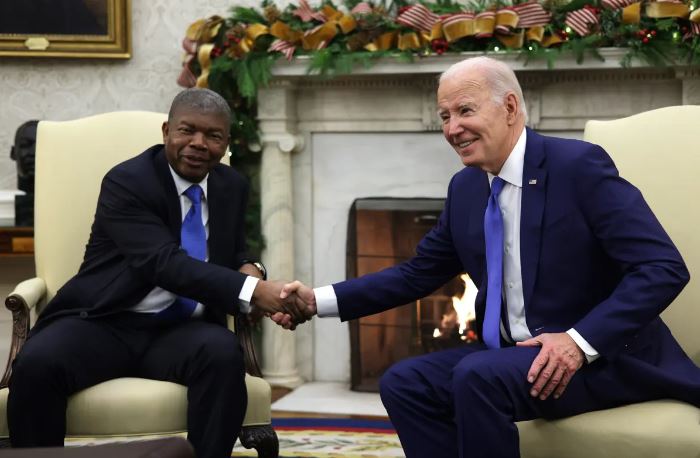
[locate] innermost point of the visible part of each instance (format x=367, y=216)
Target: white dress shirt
x=159, y=299
x=509, y=201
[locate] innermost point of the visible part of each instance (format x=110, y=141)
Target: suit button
x=83, y=314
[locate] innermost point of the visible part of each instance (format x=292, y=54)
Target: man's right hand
x=267, y=297
x=305, y=300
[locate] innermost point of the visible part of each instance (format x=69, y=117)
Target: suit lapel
x=533, y=201
x=216, y=201
x=478, y=198
x=171, y=196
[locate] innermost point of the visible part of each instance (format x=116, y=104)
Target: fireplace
x=383, y=232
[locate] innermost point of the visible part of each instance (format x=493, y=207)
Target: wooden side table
x=16, y=241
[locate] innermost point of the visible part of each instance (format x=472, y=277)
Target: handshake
x=287, y=304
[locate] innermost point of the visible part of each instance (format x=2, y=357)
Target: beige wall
x=60, y=89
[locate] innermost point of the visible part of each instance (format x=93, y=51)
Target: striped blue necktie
x=493, y=231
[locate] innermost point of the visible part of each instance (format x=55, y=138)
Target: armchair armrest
x=20, y=302
x=30, y=291
x=239, y=324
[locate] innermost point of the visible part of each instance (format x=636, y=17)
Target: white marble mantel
x=375, y=133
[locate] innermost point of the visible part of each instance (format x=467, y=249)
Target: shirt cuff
x=326, y=301
x=590, y=352
x=246, y=294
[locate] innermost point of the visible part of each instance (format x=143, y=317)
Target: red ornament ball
x=439, y=45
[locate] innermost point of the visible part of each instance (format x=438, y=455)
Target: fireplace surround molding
x=395, y=97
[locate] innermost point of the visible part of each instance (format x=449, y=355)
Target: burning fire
x=463, y=311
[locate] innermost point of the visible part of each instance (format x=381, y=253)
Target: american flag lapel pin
x=532, y=181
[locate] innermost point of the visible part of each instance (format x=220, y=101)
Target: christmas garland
x=234, y=55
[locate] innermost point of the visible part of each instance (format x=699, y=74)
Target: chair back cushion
x=71, y=159
x=657, y=152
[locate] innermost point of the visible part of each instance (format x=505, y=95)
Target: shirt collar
x=181, y=184
x=512, y=170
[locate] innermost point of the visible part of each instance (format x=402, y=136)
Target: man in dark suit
x=164, y=264
x=573, y=268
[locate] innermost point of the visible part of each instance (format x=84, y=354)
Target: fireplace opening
x=383, y=232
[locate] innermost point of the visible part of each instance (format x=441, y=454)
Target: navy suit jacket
x=593, y=255
x=134, y=244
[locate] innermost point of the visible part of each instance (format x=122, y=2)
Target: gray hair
x=498, y=75
x=200, y=100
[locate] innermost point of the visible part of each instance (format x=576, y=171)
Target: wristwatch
x=261, y=268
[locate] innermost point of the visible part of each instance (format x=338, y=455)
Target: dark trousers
x=72, y=354
x=463, y=402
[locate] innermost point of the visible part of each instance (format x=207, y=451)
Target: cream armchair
x=657, y=151
x=71, y=159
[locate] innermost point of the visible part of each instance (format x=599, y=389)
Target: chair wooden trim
x=20, y=329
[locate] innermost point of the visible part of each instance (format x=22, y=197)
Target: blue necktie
x=193, y=239
x=493, y=231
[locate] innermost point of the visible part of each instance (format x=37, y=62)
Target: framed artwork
x=65, y=28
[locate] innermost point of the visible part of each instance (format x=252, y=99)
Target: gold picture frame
x=66, y=28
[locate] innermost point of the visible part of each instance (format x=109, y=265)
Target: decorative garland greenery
x=234, y=56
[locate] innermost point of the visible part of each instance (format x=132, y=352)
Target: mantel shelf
x=434, y=64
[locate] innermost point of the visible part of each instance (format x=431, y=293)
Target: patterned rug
x=313, y=438
x=333, y=438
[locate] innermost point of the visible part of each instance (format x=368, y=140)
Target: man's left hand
x=557, y=362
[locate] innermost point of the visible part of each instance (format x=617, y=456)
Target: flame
x=437, y=333
x=464, y=306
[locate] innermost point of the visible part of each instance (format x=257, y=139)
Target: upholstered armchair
x=656, y=151
x=71, y=159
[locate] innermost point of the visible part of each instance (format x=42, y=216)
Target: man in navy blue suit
x=580, y=273
x=164, y=265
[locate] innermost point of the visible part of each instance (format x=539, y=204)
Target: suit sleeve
x=241, y=250
x=435, y=263
x=144, y=239
x=653, y=272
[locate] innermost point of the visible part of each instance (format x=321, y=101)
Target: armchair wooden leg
x=261, y=438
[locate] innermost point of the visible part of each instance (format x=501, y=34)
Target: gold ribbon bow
x=408, y=41
x=485, y=24
x=506, y=18
x=318, y=37
x=204, y=58
x=282, y=31
x=346, y=22
x=384, y=42
x=197, y=37
x=658, y=10
x=632, y=14
x=514, y=40
x=458, y=26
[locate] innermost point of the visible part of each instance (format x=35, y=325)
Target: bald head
x=497, y=76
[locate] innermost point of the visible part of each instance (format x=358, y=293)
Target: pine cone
x=358, y=41
x=272, y=14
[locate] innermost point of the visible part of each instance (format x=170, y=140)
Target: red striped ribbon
x=306, y=13
x=282, y=46
x=361, y=8
x=581, y=21
x=531, y=14
x=418, y=17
